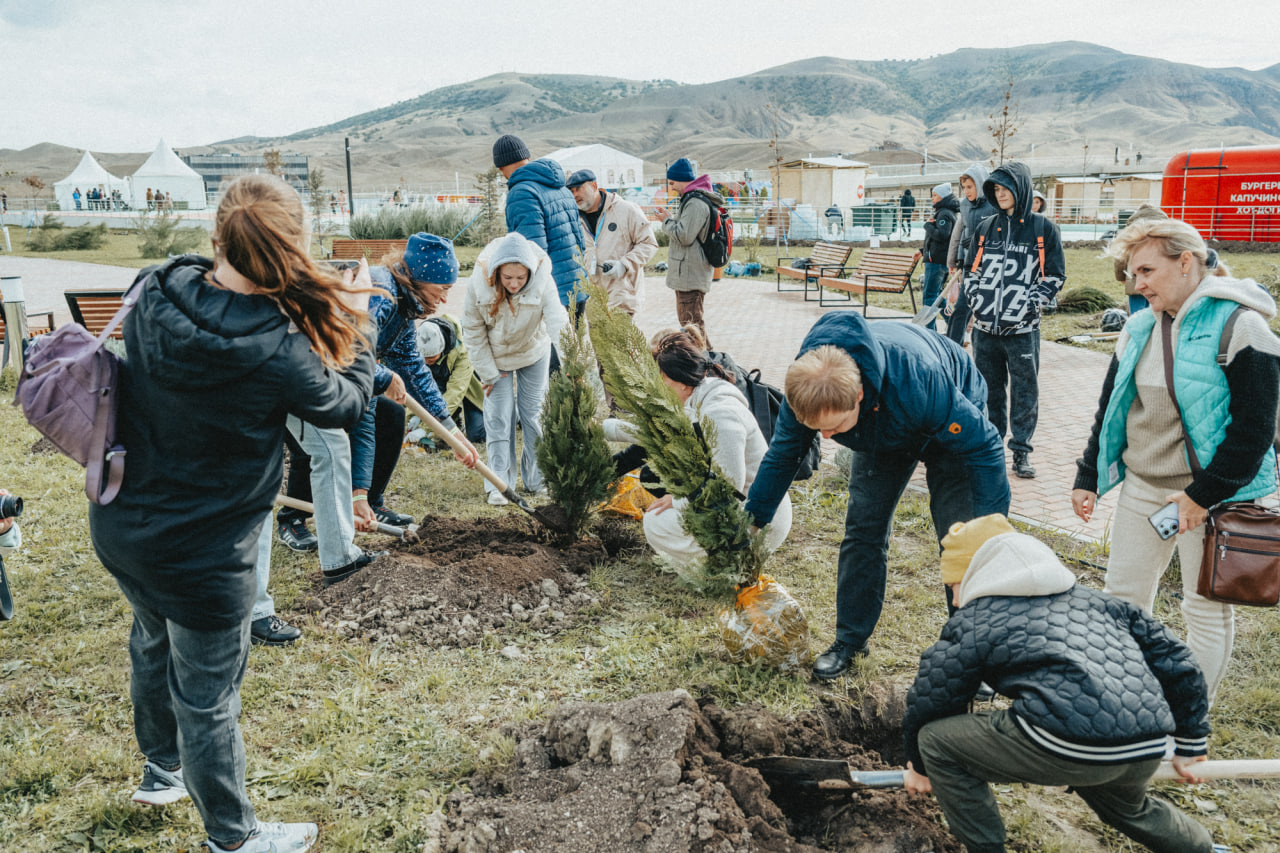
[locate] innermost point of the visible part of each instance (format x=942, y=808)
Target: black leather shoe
x=272, y=631
x=343, y=572
x=835, y=661
x=1022, y=466
x=390, y=516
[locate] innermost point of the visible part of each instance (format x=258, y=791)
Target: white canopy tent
x=613, y=168
x=164, y=172
x=86, y=176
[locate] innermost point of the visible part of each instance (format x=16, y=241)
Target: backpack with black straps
x=717, y=246
x=765, y=401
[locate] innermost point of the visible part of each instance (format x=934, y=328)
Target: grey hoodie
x=971, y=213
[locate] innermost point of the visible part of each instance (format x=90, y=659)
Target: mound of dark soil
x=665, y=773
x=468, y=578
x=44, y=447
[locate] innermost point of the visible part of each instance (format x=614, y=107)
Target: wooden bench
x=43, y=327
x=354, y=250
x=94, y=309
x=879, y=271
x=826, y=259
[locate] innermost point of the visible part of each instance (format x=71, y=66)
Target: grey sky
x=116, y=75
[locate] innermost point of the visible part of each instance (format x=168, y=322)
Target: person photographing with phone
x=1140, y=434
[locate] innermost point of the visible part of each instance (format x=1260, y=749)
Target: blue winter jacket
x=541, y=209
x=918, y=388
x=392, y=315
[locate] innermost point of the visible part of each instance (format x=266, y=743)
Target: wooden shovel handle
x=457, y=446
x=1253, y=768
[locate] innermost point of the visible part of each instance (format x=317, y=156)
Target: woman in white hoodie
x=512, y=316
x=739, y=445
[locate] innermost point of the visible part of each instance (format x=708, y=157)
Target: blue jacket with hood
x=918, y=388
x=1004, y=283
x=544, y=212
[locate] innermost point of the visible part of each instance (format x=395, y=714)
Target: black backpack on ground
x=765, y=401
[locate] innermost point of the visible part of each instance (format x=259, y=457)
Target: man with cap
x=896, y=395
x=544, y=212
x=1096, y=685
x=937, y=239
x=440, y=342
x=1018, y=269
x=688, y=272
x=619, y=238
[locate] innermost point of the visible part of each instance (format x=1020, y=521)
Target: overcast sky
x=116, y=75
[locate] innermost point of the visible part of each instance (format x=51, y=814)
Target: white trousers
x=665, y=533
x=1139, y=558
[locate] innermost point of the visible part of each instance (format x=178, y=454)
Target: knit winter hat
x=942, y=190
x=430, y=339
x=509, y=149
x=430, y=259
x=514, y=248
x=681, y=170
x=963, y=541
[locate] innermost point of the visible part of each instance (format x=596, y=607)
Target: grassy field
x=369, y=740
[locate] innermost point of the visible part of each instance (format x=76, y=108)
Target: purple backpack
x=68, y=390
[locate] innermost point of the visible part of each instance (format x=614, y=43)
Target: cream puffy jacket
x=522, y=330
x=623, y=235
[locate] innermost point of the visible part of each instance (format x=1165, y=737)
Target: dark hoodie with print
x=1004, y=284
x=937, y=231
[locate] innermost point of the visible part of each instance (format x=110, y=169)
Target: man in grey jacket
x=688, y=272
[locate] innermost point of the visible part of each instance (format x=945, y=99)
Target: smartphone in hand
x=1165, y=520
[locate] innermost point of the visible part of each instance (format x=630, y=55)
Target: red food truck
x=1226, y=193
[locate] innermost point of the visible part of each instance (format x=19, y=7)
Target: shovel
x=488, y=473
x=304, y=506
x=926, y=315
x=822, y=774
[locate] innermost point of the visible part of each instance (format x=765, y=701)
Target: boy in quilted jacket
x=1097, y=687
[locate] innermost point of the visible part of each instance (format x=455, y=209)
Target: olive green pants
x=962, y=754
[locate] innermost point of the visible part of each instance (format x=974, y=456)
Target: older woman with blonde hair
x=1209, y=441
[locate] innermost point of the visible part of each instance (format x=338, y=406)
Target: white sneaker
x=496, y=498
x=160, y=787
x=274, y=838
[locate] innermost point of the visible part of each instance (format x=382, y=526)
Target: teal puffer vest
x=1203, y=395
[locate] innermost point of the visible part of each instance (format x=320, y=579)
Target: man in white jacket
x=620, y=240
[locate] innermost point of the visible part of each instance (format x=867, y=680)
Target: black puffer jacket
x=1092, y=678
x=937, y=231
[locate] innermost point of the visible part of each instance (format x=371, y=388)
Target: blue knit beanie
x=681, y=170
x=430, y=259
x=509, y=149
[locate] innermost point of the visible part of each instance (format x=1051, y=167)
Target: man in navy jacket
x=896, y=396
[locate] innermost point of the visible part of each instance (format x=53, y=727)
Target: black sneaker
x=272, y=631
x=294, y=533
x=1022, y=466
x=835, y=661
x=343, y=572
x=390, y=516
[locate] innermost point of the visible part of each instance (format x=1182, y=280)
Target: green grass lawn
x=369, y=740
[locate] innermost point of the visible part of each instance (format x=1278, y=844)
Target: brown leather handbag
x=1241, y=562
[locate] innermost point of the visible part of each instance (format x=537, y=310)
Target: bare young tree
x=1006, y=119
x=273, y=162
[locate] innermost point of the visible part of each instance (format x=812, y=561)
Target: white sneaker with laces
x=496, y=498
x=274, y=838
x=160, y=787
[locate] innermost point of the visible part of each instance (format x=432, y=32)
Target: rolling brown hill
x=1066, y=93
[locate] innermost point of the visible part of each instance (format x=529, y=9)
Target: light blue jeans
x=518, y=392
x=264, y=605
x=185, y=687
x=330, y=452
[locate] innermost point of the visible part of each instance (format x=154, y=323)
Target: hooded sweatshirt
x=1092, y=679
x=521, y=331
x=540, y=208
x=1004, y=283
x=687, y=267
x=937, y=232
x=210, y=377
x=960, y=251
x=919, y=389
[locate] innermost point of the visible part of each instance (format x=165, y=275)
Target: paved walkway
x=762, y=328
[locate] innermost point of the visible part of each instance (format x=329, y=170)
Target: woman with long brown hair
x=220, y=352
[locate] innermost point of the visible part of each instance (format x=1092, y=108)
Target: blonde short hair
x=825, y=379
x=1173, y=237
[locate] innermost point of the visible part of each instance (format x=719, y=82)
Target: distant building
x=220, y=169
x=614, y=169
x=823, y=181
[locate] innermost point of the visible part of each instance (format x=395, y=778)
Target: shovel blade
x=788, y=773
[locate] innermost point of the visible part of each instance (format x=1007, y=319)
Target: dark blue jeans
x=959, y=319
x=1011, y=361
x=876, y=484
